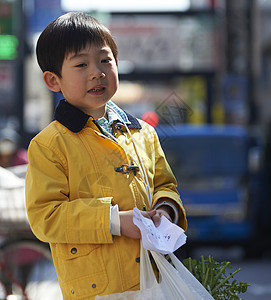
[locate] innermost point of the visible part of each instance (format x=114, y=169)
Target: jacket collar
x=75, y=120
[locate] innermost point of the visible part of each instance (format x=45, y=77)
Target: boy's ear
x=51, y=80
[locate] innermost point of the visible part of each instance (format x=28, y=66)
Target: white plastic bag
x=175, y=283
x=149, y=287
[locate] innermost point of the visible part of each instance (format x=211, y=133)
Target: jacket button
x=137, y=259
x=73, y=251
x=72, y=291
x=94, y=285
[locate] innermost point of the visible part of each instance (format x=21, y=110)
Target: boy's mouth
x=97, y=90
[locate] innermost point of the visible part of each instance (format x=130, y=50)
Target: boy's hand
x=129, y=229
x=127, y=226
x=161, y=211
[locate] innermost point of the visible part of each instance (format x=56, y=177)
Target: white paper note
x=166, y=238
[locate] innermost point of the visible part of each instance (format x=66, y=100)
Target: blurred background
x=197, y=70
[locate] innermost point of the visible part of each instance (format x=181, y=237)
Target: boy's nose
x=96, y=75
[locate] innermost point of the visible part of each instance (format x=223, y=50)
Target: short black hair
x=70, y=33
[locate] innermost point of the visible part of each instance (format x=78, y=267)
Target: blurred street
x=258, y=274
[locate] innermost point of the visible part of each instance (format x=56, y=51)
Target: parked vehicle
x=221, y=181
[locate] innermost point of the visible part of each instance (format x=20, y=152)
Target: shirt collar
x=114, y=113
x=75, y=120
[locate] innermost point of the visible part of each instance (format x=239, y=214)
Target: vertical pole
x=20, y=67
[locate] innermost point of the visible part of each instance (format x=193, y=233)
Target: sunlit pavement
x=258, y=274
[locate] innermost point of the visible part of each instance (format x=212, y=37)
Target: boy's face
x=89, y=79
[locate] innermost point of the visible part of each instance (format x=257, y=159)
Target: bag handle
x=147, y=276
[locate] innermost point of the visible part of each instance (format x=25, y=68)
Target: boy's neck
x=96, y=114
x=99, y=115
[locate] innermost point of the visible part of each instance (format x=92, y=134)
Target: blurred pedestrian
x=10, y=152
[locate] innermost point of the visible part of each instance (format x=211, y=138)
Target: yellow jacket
x=70, y=183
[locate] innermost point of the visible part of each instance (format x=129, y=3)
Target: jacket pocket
x=85, y=287
x=72, y=251
x=81, y=270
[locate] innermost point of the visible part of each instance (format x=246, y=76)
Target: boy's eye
x=81, y=65
x=106, y=60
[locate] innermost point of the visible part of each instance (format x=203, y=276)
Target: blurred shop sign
x=11, y=60
x=8, y=47
x=165, y=42
x=6, y=16
x=235, y=98
x=147, y=42
x=7, y=90
x=125, y=6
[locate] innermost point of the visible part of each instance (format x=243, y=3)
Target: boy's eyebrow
x=82, y=54
x=76, y=55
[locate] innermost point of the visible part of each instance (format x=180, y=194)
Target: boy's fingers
x=148, y=214
x=156, y=219
x=151, y=213
x=164, y=213
x=154, y=215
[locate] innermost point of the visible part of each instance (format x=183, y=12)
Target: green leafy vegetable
x=213, y=277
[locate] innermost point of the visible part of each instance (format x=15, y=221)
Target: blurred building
x=214, y=54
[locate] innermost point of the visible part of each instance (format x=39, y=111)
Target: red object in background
x=151, y=118
x=20, y=158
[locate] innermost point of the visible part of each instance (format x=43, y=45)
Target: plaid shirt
x=112, y=117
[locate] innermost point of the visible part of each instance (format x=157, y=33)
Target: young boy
x=92, y=165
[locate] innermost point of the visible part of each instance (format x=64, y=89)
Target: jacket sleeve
x=165, y=185
x=52, y=216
